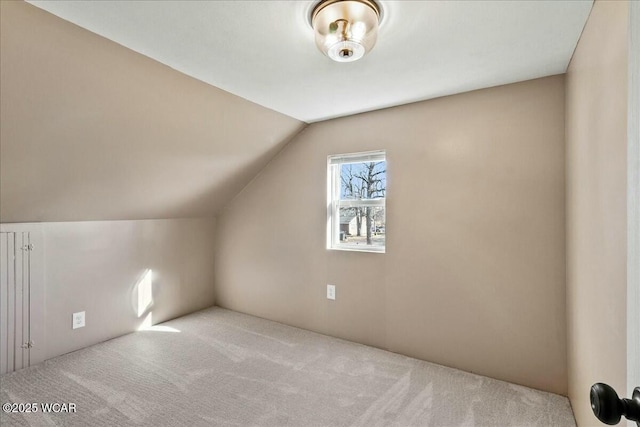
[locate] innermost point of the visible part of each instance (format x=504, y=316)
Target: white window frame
x=334, y=162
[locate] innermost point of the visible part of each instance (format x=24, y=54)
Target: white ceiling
x=264, y=51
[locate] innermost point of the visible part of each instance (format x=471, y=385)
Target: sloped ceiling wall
x=91, y=130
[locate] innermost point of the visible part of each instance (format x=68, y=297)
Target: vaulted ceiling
x=264, y=51
x=204, y=94
x=91, y=130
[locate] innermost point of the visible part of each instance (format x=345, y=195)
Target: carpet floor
x=219, y=367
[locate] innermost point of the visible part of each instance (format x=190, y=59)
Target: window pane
x=361, y=227
x=363, y=180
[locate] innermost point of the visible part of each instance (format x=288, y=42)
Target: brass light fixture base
x=324, y=3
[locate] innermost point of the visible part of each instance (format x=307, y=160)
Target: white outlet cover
x=78, y=320
x=331, y=292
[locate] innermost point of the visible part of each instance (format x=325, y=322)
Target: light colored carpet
x=227, y=368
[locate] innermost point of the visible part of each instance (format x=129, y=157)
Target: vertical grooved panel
x=14, y=300
x=4, y=315
x=11, y=302
x=26, y=299
x=18, y=290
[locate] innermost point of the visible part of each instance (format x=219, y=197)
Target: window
x=356, y=191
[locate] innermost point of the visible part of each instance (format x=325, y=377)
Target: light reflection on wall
x=143, y=294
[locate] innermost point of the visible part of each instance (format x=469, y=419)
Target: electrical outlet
x=78, y=320
x=331, y=292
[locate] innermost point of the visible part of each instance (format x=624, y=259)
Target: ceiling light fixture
x=346, y=29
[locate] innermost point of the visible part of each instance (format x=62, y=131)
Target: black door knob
x=609, y=408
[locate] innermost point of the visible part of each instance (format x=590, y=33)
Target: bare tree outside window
x=361, y=181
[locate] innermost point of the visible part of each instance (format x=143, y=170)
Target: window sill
x=358, y=249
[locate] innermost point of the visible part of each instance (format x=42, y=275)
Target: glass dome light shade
x=345, y=30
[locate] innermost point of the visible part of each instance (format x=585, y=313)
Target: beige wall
x=474, y=274
x=95, y=266
x=94, y=131
x=596, y=206
x=633, y=202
